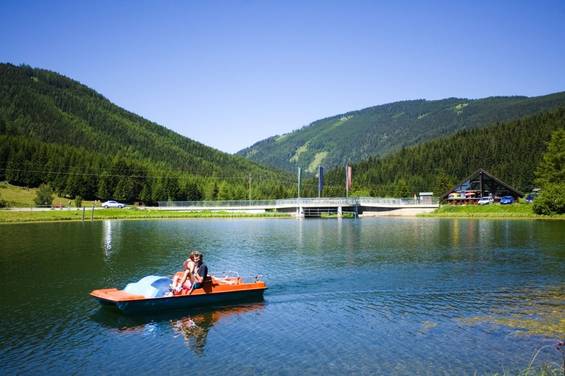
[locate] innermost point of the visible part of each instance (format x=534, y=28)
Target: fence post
x=92, y=214
x=83, y=210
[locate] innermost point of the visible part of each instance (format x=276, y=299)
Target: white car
x=112, y=204
x=486, y=200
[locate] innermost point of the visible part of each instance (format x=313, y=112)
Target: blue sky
x=230, y=73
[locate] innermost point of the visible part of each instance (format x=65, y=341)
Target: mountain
x=47, y=119
x=511, y=151
x=381, y=130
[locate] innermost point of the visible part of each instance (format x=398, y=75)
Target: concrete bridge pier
x=340, y=211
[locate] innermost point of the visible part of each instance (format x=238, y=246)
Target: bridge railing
x=324, y=201
x=262, y=203
x=352, y=201
x=216, y=204
x=396, y=201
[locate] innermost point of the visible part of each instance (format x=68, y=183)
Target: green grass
x=9, y=216
x=317, y=161
x=518, y=210
x=21, y=197
x=545, y=370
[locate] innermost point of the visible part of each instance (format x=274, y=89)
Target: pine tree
x=551, y=170
x=551, y=177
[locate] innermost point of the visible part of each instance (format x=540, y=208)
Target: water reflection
x=110, y=229
x=300, y=233
x=193, y=327
x=107, y=238
x=461, y=233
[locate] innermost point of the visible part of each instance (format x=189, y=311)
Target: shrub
x=44, y=196
x=551, y=200
x=78, y=201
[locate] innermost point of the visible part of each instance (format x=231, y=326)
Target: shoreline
x=515, y=211
x=50, y=216
x=533, y=217
x=24, y=215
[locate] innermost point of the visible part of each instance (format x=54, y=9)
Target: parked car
x=470, y=194
x=112, y=204
x=532, y=195
x=506, y=200
x=485, y=200
x=530, y=198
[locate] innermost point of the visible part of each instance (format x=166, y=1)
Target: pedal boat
x=215, y=291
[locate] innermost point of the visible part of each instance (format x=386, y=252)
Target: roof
x=477, y=173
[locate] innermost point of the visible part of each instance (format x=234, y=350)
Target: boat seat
x=216, y=281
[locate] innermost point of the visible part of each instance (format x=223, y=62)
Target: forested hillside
x=58, y=131
x=380, y=130
x=511, y=151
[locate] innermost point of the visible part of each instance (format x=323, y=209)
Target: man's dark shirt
x=202, y=271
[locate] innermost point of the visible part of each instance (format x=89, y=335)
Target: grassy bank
x=9, y=216
x=545, y=370
x=22, y=197
x=519, y=210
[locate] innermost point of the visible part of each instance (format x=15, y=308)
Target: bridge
x=311, y=207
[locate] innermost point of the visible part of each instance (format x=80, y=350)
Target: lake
x=401, y=296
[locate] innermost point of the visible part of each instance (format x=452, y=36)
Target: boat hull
x=131, y=304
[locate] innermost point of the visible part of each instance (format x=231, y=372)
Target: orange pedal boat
x=214, y=291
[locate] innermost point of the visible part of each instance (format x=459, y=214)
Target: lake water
x=369, y=296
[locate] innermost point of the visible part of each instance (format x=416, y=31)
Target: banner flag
x=299, y=178
x=320, y=180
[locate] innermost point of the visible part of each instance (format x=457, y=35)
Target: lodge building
x=480, y=184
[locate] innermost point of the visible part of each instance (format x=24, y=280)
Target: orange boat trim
x=116, y=295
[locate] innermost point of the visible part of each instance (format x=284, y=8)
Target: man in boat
x=200, y=270
x=195, y=272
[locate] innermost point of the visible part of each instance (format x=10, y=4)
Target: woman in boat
x=183, y=280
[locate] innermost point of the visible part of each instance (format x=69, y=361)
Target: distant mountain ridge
x=55, y=109
x=381, y=130
x=47, y=119
x=511, y=151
